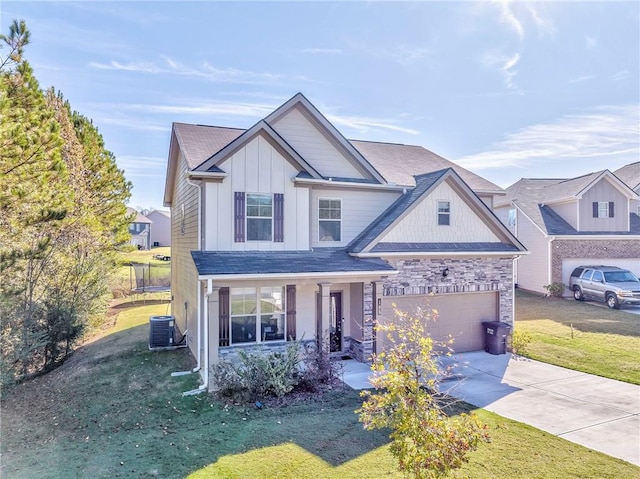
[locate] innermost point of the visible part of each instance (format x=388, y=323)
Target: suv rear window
x=577, y=272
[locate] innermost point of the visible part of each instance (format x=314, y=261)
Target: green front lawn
x=113, y=410
x=581, y=336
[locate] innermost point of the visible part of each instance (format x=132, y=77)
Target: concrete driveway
x=598, y=413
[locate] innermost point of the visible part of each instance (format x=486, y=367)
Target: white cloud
x=363, y=124
x=590, y=42
x=581, y=79
x=142, y=166
x=603, y=132
x=505, y=65
x=508, y=17
x=206, y=71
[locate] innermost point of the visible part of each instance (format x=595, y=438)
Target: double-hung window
x=603, y=209
x=259, y=217
x=444, y=213
x=329, y=219
x=257, y=314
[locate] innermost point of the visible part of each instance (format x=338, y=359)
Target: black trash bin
x=495, y=336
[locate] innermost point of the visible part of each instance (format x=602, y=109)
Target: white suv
x=615, y=286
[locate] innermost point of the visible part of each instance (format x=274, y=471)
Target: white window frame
x=603, y=209
x=333, y=220
x=257, y=294
x=512, y=217
x=447, y=213
x=247, y=217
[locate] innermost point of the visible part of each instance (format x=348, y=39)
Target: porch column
x=324, y=310
x=213, y=329
x=376, y=305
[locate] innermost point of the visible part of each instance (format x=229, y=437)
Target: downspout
x=205, y=376
x=198, y=317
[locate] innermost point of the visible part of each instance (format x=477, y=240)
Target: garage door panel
x=458, y=315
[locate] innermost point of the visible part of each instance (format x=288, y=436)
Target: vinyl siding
x=320, y=152
x=503, y=215
x=604, y=191
x=533, y=268
x=421, y=224
x=160, y=228
x=359, y=209
x=256, y=168
x=184, y=281
x=568, y=212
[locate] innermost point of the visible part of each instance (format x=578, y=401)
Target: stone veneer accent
x=581, y=248
x=362, y=350
x=230, y=353
x=424, y=276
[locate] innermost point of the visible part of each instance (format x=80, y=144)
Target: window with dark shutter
x=223, y=317
x=595, y=209
x=238, y=224
x=291, y=312
x=278, y=217
x=610, y=209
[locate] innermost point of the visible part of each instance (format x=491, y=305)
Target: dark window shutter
x=610, y=209
x=278, y=217
x=224, y=317
x=291, y=312
x=238, y=211
x=595, y=209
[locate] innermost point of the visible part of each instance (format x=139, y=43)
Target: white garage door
x=568, y=265
x=459, y=315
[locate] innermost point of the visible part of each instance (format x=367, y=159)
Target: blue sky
x=506, y=89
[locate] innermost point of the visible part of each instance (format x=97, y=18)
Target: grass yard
x=113, y=410
x=581, y=336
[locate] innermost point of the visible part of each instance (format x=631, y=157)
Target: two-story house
x=139, y=229
x=564, y=223
x=288, y=230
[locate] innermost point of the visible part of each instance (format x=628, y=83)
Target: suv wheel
x=577, y=294
x=612, y=301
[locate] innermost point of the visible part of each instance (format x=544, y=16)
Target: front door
x=335, y=322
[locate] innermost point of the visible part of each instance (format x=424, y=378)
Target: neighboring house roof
x=160, y=212
x=139, y=217
x=630, y=174
x=424, y=184
x=321, y=260
x=533, y=195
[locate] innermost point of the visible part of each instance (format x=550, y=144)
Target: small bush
x=555, y=289
x=318, y=369
x=519, y=342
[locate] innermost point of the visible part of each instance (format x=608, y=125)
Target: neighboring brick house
x=139, y=229
x=565, y=223
x=288, y=230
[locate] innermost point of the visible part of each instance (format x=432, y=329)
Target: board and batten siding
x=604, y=191
x=420, y=225
x=314, y=146
x=532, y=270
x=256, y=168
x=359, y=209
x=184, y=239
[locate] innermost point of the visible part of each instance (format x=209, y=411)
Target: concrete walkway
x=598, y=413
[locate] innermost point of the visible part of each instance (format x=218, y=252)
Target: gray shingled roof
x=401, y=163
x=396, y=163
x=139, y=217
x=320, y=260
x=556, y=225
x=630, y=174
x=200, y=142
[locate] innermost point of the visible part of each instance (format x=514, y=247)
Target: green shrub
x=519, y=342
x=555, y=289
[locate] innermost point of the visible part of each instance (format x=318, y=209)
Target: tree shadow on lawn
x=582, y=315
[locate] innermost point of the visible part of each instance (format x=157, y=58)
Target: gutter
x=205, y=375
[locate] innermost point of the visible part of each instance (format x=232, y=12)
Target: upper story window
x=259, y=217
x=329, y=219
x=512, y=217
x=444, y=213
x=603, y=209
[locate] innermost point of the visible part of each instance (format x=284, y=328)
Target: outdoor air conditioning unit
x=161, y=332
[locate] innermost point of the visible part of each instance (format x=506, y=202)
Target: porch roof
x=320, y=260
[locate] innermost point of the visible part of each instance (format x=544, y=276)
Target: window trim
x=339, y=221
x=603, y=207
x=247, y=217
x=443, y=214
